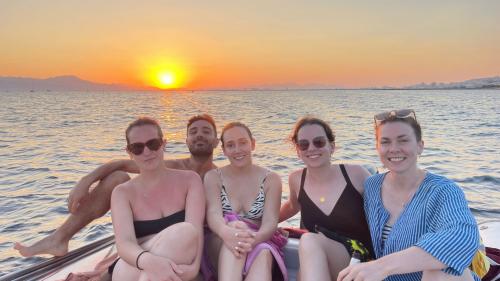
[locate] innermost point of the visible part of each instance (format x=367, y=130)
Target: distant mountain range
x=480, y=83
x=59, y=83
x=73, y=83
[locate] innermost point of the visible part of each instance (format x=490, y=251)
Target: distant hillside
x=73, y=83
x=480, y=83
x=59, y=83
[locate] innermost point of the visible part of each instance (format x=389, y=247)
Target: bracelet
x=137, y=259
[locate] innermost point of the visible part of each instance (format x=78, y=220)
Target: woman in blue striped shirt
x=420, y=224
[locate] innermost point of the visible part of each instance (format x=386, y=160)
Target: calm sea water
x=49, y=140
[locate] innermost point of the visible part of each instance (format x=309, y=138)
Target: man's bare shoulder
x=178, y=164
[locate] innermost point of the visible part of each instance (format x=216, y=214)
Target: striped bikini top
x=256, y=210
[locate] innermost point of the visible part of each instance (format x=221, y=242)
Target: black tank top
x=347, y=217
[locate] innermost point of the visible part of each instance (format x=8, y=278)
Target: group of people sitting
x=178, y=216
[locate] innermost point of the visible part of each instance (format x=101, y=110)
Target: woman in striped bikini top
x=256, y=210
x=243, y=202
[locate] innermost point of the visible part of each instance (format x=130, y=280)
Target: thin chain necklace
x=412, y=192
x=407, y=200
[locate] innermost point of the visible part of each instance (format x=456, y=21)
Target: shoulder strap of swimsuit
x=264, y=178
x=346, y=176
x=303, y=178
x=219, y=171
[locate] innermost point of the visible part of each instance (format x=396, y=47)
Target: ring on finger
x=236, y=248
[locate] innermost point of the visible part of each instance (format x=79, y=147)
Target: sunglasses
x=394, y=114
x=137, y=148
x=318, y=142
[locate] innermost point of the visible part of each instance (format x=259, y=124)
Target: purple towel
x=274, y=245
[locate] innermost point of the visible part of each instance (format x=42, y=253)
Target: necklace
x=407, y=200
x=412, y=192
x=322, y=199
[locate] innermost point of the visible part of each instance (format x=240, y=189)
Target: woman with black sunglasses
x=421, y=226
x=330, y=199
x=158, y=215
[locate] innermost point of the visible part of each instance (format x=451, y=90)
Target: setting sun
x=164, y=73
x=167, y=79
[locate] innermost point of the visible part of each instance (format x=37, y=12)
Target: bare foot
x=47, y=245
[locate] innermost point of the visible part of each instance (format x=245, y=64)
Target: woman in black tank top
x=330, y=199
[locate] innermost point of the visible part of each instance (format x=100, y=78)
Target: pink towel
x=274, y=245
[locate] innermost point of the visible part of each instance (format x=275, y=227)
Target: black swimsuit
x=148, y=227
x=346, y=223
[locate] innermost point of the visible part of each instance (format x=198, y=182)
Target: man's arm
x=81, y=189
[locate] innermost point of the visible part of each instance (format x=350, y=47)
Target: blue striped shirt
x=437, y=219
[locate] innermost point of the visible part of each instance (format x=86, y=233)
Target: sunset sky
x=241, y=44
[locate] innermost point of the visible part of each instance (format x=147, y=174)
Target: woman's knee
x=179, y=236
x=309, y=242
x=266, y=256
x=183, y=232
x=228, y=259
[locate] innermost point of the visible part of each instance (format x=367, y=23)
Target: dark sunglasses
x=318, y=142
x=137, y=148
x=394, y=114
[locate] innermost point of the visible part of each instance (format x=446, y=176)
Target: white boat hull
x=490, y=232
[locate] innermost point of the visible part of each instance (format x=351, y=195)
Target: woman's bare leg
x=178, y=243
x=230, y=267
x=262, y=267
x=321, y=258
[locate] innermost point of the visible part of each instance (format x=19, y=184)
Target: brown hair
x=412, y=122
x=233, y=125
x=142, y=121
x=205, y=117
x=309, y=120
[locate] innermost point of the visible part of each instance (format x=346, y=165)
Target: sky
x=245, y=44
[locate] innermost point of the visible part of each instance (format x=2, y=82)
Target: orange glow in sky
x=227, y=44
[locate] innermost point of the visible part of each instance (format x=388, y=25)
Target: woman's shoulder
x=438, y=184
x=374, y=182
x=437, y=180
x=357, y=171
x=181, y=174
x=267, y=176
x=126, y=189
x=296, y=175
x=212, y=176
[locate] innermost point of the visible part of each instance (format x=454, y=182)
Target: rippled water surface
x=49, y=140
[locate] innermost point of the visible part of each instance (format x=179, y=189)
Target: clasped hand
x=161, y=269
x=240, y=238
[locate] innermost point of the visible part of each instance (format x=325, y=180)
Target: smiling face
x=398, y=147
x=201, y=138
x=238, y=146
x=148, y=159
x=314, y=156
